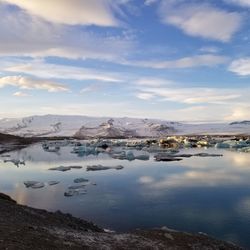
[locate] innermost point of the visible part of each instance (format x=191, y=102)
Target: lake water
x=197, y=194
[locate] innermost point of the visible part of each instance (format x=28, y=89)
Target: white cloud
x=194, y=95
x=150, y=2
x=91, y=88
x=20, y=94
x=145, y=96
x=27, y=35
x=239, y=112
x=196, y=177
x=243, y=3
x=146, y=179
x=29, y=83
x=240, y=67
x=152, y=82
x=85, y=12
x=209, y=49
x=205, y=60
x=201, y=20
x=41, y=69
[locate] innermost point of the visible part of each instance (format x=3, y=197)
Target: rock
x=169, y=236
x=167, y=229
x=100, y=167
x=6, y=198
x=24, y=227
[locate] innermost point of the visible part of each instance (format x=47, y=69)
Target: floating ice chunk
x=208, y=155
x=76, y=167
x=61, y=168
x=161, y=157
x=15, y=162
x=100, y=167
x=5, y=156
x=80, y=180
x=245, y=150
x=84, y=150
x=69, y=193
x=34, y=184
x=75, y=190
x=77, y=187
x=130, y=156
x=52, y=183
x=29, y=183
x=222, y=145
x=142, y=157
x=65, y=168
x=119, y=155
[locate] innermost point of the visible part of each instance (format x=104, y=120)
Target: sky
x=181, y=60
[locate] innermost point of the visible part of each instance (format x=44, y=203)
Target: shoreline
x=24, y=227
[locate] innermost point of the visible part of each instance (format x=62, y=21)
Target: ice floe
x=65, y=168
x=101, y=167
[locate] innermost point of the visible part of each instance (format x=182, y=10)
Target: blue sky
x=170, y=59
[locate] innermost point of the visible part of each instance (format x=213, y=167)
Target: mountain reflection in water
x=208, y=194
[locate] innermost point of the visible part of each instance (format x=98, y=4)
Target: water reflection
x=197, y=194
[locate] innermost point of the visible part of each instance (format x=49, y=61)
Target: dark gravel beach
x=22, y=227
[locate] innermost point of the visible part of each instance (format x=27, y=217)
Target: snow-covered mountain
x=92, y=127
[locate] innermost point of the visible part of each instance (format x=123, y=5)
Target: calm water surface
x=210, y=195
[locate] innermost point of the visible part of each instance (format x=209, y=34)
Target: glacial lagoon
x=197, y=194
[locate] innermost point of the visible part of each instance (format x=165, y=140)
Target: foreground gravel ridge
x=22, y=227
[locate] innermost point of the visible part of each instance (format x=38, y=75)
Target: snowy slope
x=85, y=127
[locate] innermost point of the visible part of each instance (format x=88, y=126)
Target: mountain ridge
x=110, y=127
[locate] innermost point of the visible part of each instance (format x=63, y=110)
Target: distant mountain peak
x=240, y=123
